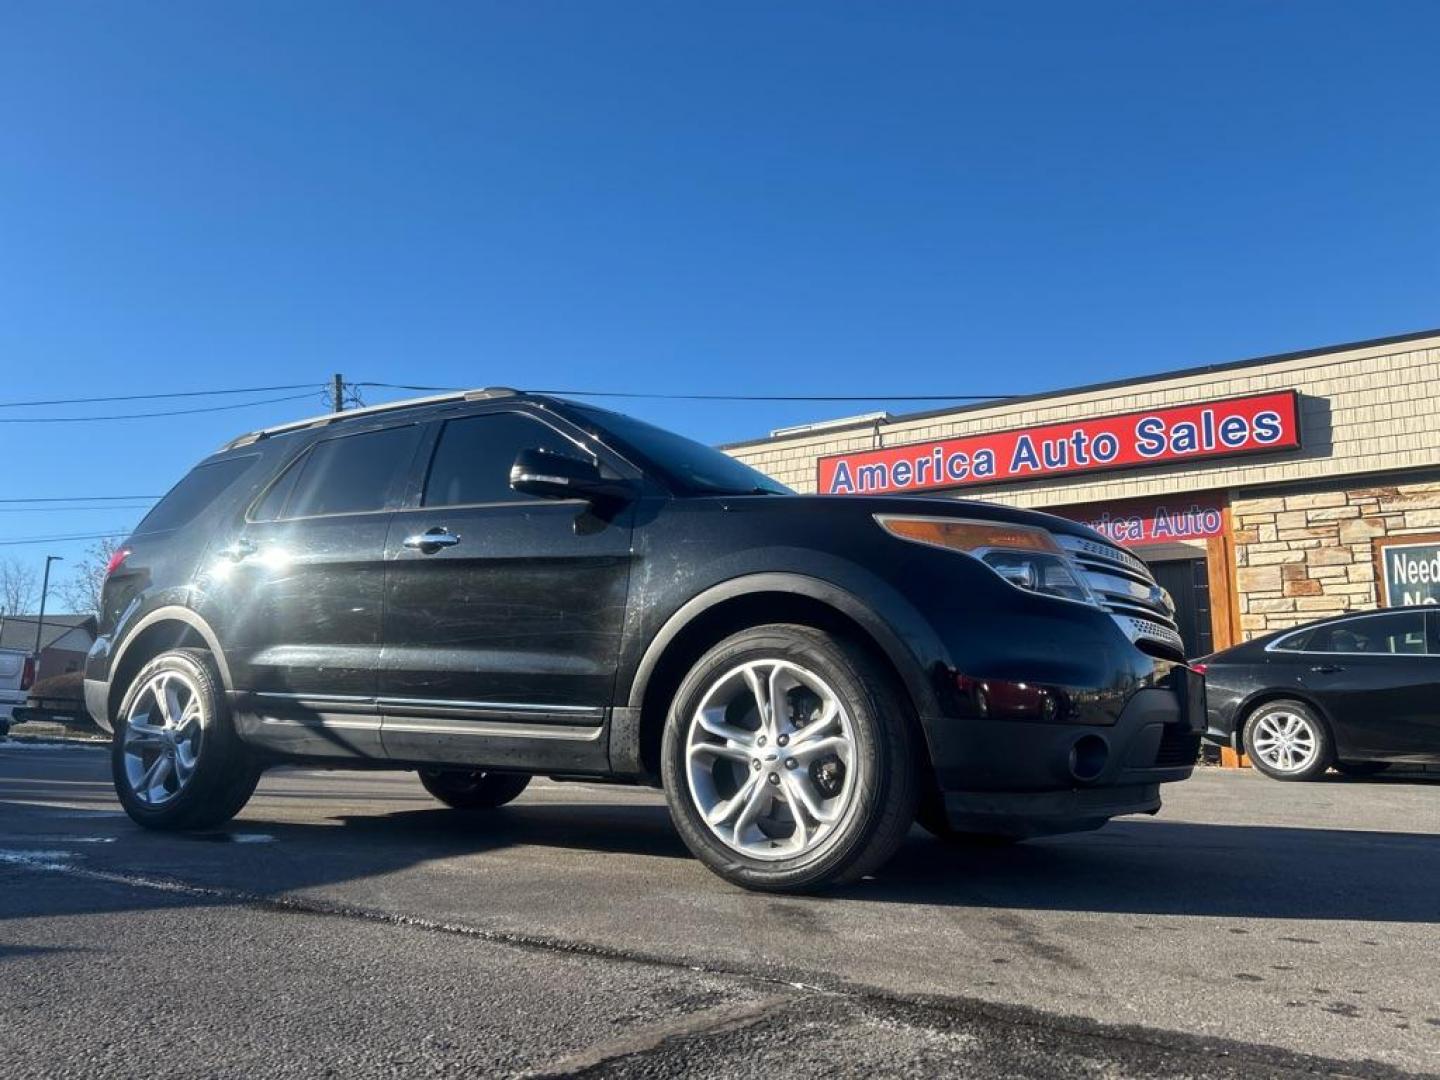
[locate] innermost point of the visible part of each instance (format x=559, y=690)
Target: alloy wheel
x=771, y=760
x=1285, y=741
x=163, y=732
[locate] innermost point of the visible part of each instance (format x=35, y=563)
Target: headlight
x=1027, y=557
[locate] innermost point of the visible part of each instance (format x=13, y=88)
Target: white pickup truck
x=17, y=672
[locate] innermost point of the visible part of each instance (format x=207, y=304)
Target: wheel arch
x=1275, y=693
x=170, y=627
x=730, y=607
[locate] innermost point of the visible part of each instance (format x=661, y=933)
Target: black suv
x=492, y=585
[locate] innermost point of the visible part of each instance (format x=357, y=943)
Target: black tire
x=473, y=789
x=1358, y=769
x=1313, y=724
x=225, y=771
x=881, y=805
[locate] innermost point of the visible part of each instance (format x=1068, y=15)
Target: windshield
x=691, y=466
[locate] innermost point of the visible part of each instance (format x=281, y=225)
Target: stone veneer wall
x=1302, y=557
x=1364, y=410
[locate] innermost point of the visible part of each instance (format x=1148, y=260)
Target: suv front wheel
x=177, y=761
x=787, y=760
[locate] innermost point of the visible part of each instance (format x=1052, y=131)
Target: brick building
x=1264, y=493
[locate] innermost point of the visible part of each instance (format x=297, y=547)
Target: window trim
x=264, y=492
x=394, y=493
x=1273, y=647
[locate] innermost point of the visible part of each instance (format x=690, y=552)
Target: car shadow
x=1135, y=866
x=1180, y=868
x=1132, y=866
x=1389, y=778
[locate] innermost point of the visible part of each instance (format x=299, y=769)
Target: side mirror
x=557, y=476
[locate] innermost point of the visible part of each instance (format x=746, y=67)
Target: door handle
x=432, y=540
x=238, y=549
x=1327, y=669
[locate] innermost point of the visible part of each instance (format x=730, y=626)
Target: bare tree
x=81, y=590
x=19, y=587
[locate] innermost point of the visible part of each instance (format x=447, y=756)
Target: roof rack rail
x=324, y=419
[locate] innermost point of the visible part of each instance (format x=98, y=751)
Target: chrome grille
x=1127, y=590
x=1079, y=545
x=1148, y=629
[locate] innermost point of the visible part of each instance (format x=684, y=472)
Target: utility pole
x=337, y=393
x=40, y=620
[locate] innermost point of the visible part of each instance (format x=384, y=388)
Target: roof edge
x=1111, y=384
x=325, y=419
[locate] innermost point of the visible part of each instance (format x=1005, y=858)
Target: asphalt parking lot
x=346, y=924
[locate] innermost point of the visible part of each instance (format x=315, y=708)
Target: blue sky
x=746, y=197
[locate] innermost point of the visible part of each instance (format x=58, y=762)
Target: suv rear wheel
x=472, y=789
x=787, y=760
x=176, y=759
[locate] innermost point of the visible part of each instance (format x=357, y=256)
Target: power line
x=351, y=397
x=61, y=539
x=79, y=498
x=778, y=397
x=154, y=397
x=147, y=415
x=718, y=397
x=70, y=509
x=401, y=386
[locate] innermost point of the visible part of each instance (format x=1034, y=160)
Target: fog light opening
x=1088, y=755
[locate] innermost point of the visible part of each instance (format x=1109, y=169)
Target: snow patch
x=36, y=860
x=11, y=745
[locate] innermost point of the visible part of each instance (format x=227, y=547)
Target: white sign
x=1411, y=574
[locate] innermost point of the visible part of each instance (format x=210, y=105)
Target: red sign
x=1154, y=521
x=1244, y=425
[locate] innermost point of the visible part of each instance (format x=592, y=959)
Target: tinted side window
x=350, y=474
x=473, y=457
x=200, y=487
x=1293, y=643
x=1401, y=634
x=273, y=501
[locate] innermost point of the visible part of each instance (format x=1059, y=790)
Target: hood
x=934, y=506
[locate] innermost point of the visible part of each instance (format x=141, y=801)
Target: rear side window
x=473, y=457
x=1293, y=643
x=1401, y=634
x=351, y=474
x=201, y=486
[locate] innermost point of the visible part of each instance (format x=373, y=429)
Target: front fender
x=905, y=638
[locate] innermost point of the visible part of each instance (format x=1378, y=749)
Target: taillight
x=27, y=673
x=1199, y=668
x=116, y=560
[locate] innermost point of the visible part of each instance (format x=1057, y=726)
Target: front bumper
x=1026, y=777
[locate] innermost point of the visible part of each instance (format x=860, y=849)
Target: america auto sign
x=1241, y=425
